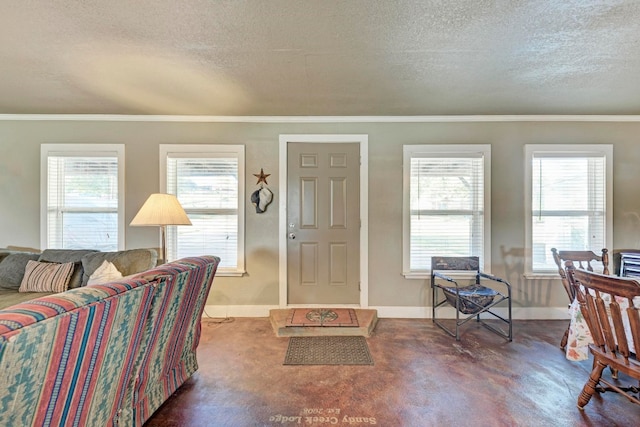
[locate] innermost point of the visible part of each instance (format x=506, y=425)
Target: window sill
x=541, y=276
x=230, y=273
x=421, y=275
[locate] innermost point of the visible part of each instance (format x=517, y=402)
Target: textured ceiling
x=323, y=57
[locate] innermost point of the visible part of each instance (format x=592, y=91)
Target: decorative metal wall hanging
x=262, y=196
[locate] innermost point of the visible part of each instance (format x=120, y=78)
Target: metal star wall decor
x=262, y=177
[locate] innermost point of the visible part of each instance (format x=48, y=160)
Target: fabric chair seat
x=474, y=298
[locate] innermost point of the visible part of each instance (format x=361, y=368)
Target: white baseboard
x=223, y=311
x=518, y=313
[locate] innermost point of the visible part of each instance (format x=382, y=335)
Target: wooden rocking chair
x=583, y=260
x=607, y=303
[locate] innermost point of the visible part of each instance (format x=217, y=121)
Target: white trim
x=321, y=119
x=577, y=150
x=454, y=274
x=542, y=276
x=409, y=151
x=518, y=313
x=81, y=149
x=224, y=311
x=210, y=151
x=361, y=139
x=398, y=312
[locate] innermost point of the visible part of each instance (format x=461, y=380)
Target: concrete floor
x=420, y=377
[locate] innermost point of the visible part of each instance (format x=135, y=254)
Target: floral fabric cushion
x=46, y=277
x=580, y=335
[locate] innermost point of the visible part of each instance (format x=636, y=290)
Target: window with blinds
x=207, y=180
x=446, y=192
x=568, y=199
x=82, y=196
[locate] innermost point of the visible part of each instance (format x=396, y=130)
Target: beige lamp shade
x=161, y=209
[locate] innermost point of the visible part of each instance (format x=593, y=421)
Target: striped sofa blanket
x=103, y=355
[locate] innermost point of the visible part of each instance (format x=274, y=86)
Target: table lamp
x=161, y=210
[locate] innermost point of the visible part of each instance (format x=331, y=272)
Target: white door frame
x=363, y=140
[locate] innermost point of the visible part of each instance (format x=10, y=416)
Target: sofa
x=106, y=354
x=82, y=263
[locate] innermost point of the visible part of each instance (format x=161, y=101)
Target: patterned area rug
x=322, y=317
x=328, y=351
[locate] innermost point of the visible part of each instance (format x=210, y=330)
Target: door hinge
x=359, y=288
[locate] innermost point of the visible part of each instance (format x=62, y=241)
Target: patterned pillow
x=46, y=277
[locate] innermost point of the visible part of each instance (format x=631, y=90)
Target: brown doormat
x=322, y=317
x=328, y=351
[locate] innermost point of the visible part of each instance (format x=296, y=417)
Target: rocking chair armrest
x=494, y=278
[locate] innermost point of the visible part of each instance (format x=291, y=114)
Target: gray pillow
x=127, y=262
x=4, y=254
x=12, y=269
x=68, y=255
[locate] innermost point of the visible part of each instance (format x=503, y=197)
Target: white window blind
x=208, y=185
x=568, y=203
x=82, y=197
x=446, y=203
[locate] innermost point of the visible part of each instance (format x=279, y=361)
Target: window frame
x=571, y=150
x=80, y=150
x=438, y=150
x=213, y=151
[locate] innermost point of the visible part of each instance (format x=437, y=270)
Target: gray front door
x=323, y=223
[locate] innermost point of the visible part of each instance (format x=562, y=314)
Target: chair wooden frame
x=610, y=346
x=472, y=300
x=584, y=259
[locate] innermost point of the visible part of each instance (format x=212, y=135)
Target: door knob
x=292, y=236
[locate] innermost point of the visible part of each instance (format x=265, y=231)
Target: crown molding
x=319, y=119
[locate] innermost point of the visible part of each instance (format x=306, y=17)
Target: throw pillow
x=127, y=262
x=12, y=269
x=46, y=277
x=107, y=272
x=68, y=255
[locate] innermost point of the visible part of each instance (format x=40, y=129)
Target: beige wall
x=20, y=191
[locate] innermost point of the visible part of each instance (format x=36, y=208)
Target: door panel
x=308, y=264
x=323, y=218
x=337, y=198
x=309, y=203
x=338, y=267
